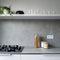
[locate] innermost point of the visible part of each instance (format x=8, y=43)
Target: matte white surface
x=50, y=36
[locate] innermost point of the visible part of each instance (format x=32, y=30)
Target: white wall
x=32, y=4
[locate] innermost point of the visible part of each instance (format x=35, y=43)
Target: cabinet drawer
x=41, y=57
x=9, y=57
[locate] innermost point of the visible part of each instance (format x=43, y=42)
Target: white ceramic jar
x=44, y=44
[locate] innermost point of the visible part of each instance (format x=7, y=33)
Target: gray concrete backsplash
x=22, y=32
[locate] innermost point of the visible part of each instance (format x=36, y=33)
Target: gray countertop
x=41, y=51
x=35, y=51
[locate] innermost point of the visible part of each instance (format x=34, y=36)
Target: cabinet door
x=41, y=57
x=30, y=57
x=9, y=57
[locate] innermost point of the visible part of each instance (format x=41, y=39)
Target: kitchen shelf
x=16, y=16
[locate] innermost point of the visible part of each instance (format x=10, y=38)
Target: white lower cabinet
x=40, y=57
x=9, y=57
x=31, y=57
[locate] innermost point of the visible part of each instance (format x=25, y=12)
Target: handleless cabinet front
x=40, y=57
x=9, y=57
